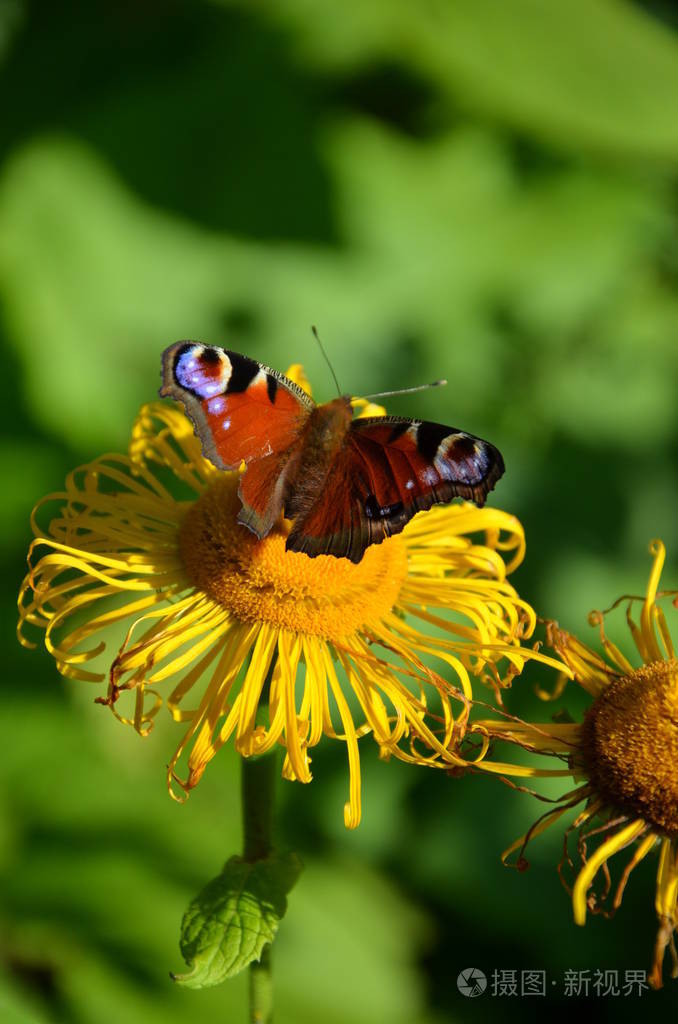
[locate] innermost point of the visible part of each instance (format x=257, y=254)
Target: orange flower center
x=630, y=744
x=258, y=580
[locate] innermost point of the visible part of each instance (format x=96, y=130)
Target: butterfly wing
x=388, y=470
x=420, y=464
x=242, y=411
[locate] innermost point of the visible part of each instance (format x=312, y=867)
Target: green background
x=485, y=190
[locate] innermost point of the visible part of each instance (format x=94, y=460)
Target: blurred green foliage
x=464, y=188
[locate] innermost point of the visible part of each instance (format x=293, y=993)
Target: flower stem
x=258, y=789
x=261, y=989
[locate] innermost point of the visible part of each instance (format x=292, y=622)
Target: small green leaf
x=230, y=921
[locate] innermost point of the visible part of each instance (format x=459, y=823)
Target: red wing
x=390, y=469
x=241, y=410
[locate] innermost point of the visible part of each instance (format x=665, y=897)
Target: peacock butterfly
x=346, y=483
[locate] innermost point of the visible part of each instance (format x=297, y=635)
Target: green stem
x=258, y=790
x=261, y=989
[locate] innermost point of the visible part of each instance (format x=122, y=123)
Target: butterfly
x=346, y=483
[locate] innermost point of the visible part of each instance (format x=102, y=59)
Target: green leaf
x=230, y=921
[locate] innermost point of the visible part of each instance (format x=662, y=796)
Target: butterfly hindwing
x=388, y=470
x=262, y=491
x=241, y=409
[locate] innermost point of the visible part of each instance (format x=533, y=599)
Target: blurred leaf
x=562, y=70
x=351, y=946
x=557, y=70
x=230, y=921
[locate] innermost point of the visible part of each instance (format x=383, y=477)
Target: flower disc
x=258, y=580
x=630, y=744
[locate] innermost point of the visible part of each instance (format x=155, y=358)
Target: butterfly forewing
x=422, y=464
x=241, y=410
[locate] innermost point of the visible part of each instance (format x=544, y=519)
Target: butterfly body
x=321, y=443
x=346, y=483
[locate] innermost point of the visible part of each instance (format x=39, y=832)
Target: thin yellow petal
x=352, y=809
x=666, y=899
x=606, y=850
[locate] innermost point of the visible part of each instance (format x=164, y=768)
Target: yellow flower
x=626, y=752
x=240, y=638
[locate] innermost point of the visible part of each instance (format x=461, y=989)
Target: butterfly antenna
x=408, y=391
x=327, y=360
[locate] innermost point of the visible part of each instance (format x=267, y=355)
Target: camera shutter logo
x=471, y=982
